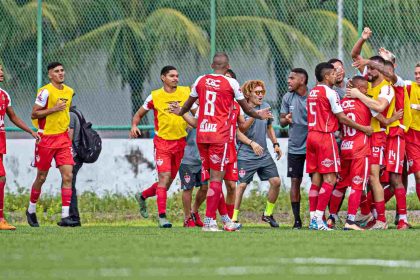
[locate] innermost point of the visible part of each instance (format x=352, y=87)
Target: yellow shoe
x=4, y=225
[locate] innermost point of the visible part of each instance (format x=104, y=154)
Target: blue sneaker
x=313, y=224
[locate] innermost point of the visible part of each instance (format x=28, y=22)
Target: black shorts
x=190, y=176
x=295, y=165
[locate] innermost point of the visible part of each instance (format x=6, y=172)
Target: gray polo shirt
x=298, y=130
x=191, y=154
x=341, y=90
x=257, y=132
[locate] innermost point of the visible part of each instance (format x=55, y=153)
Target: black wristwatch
x=276, y=145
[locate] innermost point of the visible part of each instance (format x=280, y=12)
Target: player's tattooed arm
x=262, y=114
x=357, y=48
x=20, y=123
x=258, y=150
x=343, y=119
x=378, y=105
x=387, y=121
x=135, y=131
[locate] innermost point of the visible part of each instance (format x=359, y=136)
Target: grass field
x=132, y=251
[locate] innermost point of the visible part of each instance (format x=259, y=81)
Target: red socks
x=213, y=197
x=222, y=205
x=418, y=190
x=230, y=208
x=380, y=210
x=35, y=195
x=388, y=194
x=2, y=184
x=161, y=193
x=65, y=196
x=400, y=196
x=151, y=191
x=324, y=196
x=365, y=203
x=313, y=197
x=354, y=201
x=335, y=201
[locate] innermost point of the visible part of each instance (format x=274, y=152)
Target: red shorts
x=322, y=153
x=378, y=141
x=2, y=171
x=168, y=155
x=354, y=173
x=395, y=149
x=214, y=156
x=45, y=155
x=412, y=148
x=231, y=171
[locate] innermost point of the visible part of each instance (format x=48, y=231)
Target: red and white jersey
x=4, y=103
x=355, y=143
x=216, y=94
x=322, y=105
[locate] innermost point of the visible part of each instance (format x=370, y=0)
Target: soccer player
x=216, y=94
x=50, y=115
x=294, y=114
x=413, y=135
x=263, y=164
x=169, y=140
x=379, y=89
x=322, y=158
x=395, y=144
x=7, y=109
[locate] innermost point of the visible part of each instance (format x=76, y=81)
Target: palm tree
x=135, y=36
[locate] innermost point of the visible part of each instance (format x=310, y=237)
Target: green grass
x=131, y=251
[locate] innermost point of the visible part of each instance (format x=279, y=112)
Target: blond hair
x=250, y=85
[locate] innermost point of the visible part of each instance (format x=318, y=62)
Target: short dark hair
x=231, y=73
x=54, y=64
x=377, y=58
x=165, y=70
x=334, y=60
x=301, y=71
x=321, y=69
x=389, y=63
x=358, y=78
x=417, y=65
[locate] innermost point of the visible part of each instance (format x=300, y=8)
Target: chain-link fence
x=113, y=50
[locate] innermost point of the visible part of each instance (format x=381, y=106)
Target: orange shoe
x=4, y=225
x=402, y=225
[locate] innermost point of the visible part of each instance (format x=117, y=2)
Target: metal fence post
x=39, y=44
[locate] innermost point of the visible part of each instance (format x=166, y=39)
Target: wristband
x=276, y=145
x=250, y=142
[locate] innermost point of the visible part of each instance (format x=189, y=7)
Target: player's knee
x=204, y=187
x=230, y=187
x=67, y=177
x=275, y=182
x=41, y=178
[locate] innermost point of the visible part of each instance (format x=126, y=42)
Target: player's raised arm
x=357, y=48
x=262, y=114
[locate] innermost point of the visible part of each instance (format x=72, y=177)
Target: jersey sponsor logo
x=347, y=145
x=357, y=180
x=159, y=161
x=242, y=173
x=215, y=159
x=313, y=93
x=327, y=162
x=205, y=126
x=187, y=178
x=348, y=104
x=212, y=83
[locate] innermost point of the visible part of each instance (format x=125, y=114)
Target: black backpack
x=90, y=144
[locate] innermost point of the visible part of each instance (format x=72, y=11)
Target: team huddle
x=361, y=133
x=353, y=133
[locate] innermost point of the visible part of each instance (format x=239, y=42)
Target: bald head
x=220, y=63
